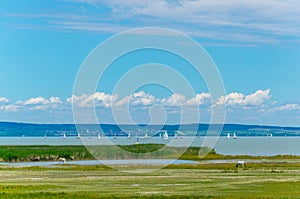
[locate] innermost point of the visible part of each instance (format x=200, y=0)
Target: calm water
x=258, y=146
x=106, y=162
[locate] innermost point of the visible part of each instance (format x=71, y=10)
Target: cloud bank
x=260, y=98
x=254, y=108
x=231, y=22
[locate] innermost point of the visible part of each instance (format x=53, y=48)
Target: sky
x=254, y=44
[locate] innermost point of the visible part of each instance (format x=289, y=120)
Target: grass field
x=276, y=180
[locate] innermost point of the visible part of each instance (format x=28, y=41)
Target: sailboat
x=65, y=136
x=270, y=135
x=178, y=133
x=128, y=136
x=137, y=139
x=166, y=136
x=78, y=136
x=45, y=136
x=146, y=135
x=228, y=135
x=234, y=136
x=99, y=136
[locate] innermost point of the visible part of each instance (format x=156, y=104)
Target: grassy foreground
x=281, y=180
x=273, y=179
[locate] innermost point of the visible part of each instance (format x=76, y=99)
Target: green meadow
x=276, y=178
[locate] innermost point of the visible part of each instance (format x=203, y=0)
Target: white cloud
x=199, y=99
x=257, y=98
x=39, y=107
x=254, y=107
x=238, y=22
x=55, y=100
x=9, y=108
x=238, y=99
x=288, y=107
x=142, y=98
x=231, y=99
x=229, y=20
x=37, y=100
x=176, y=99
x=146, y=99
x=139, y=98
x=99, y=99
x=91, y=26
x=40, y=101
x=123, y=101
x=4, y=100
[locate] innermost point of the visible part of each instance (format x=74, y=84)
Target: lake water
x=137, y=162
x=256, y=146
x=105, y=162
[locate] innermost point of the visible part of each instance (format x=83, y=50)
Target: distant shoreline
x=167, y=124
x=32, y=130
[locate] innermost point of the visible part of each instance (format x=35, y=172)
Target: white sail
x=137, y=139
x=78, y=136
x=146, y=135
x=228, y=135
x=166, y=136
x=178, y=133
x=129, y=136
x=234, y=135
x=270, y=135
x=99, y=136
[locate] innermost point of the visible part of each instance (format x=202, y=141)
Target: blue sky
x=255, y=45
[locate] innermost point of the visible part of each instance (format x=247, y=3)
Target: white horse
x=241, y=162
x=62, y=160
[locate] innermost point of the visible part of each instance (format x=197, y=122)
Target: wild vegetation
x=53, y=153
x=43, y=153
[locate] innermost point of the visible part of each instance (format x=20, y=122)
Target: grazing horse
x=62, y=160
x=242, y=163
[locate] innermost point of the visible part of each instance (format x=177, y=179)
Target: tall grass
x=53, y=153
x=43, y=153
